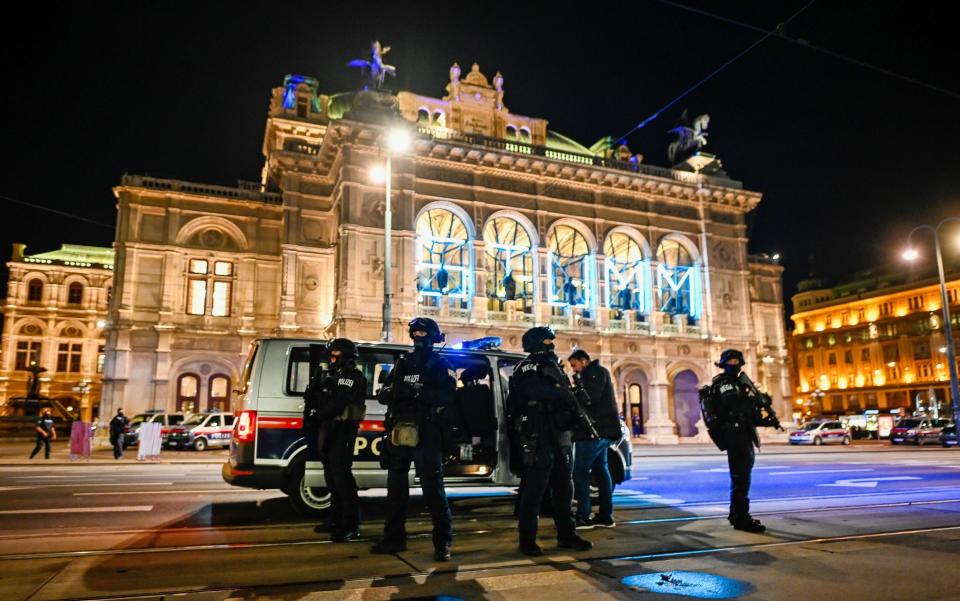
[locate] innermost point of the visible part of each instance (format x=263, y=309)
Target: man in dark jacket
x=117, y=426
x=334, y=404
x=45, y=434
x=590, y=452
x=421, y=385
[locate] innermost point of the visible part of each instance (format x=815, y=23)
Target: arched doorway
x=634, y=408
x=686, y=403
x=218, y=396
x=188, y=393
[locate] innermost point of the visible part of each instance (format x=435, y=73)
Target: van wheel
x=818, y=441
x=200, y=444
x=306, y=500
x=846, y=440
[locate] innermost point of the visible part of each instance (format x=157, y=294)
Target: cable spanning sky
x=843, y=117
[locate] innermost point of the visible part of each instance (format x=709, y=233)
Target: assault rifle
x=764, y=402
x=580, y=401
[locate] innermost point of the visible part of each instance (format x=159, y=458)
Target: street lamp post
x=911, y=254
x=398, y=140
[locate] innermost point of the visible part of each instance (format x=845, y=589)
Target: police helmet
x=533, y=338
x=473, y=373
x=730, y=353
x=347, y=348
x=425, y=324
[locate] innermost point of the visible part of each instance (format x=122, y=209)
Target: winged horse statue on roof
x=374, y=70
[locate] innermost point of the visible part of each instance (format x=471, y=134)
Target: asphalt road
x=862, y=518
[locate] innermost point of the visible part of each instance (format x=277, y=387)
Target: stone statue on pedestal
x=454, y=87
x=374, y=71
x=498, y=86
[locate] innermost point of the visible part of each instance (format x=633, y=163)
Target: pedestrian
x=732, y=414
x=541, y=411
x=421, y=384
x=590, y=452
x=118, y=424
x=46, y=434
x=334, y=405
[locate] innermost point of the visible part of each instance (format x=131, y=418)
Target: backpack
x=710, y=410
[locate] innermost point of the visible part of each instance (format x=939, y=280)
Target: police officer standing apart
x=541, y=414
x=421, y=385
x=333, y=407
x=737, y=415
x=117, y=425
x=590, y=455
x=45, y=434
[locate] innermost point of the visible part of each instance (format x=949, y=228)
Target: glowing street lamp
x=911, y=254
x=398, y=140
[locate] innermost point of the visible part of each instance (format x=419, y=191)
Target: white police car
x=821, y=432
x=268, y=449
x=201, y=431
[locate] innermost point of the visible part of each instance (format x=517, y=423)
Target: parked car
x=268, y=449
x=201, y=431
x=948, y=436
x=918, y=430
x=821, y=432
x=131, y=434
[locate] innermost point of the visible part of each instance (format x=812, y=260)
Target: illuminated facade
x=54, y=315
x=499, y=224
x=874, y=343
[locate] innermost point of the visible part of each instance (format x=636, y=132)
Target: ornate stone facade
x=498, y=224
x=54, y=315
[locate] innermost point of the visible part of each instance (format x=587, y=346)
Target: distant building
x=499, y=223
x=54, y=315
x=875, y=342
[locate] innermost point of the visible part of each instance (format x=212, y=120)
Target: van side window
x=228, y=420
x=175, y=419
x=376, y=366
x=298, y=371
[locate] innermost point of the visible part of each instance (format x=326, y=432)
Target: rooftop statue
x=498, y=86
x=454, y=87
x=374, y=71
x=690, y=139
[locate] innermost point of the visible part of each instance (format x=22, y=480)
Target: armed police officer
x=733, y=408
x=420, y=386
x=334, y=404
x=542, y=415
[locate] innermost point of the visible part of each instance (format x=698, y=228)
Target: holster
x=405, y=434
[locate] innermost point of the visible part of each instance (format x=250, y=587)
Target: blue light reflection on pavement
x=689, y=584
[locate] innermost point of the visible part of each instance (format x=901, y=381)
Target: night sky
x=848, y=159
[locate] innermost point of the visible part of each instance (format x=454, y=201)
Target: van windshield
x=196, y=420
x=909, y=423
x=812, y=426
x=248, y=367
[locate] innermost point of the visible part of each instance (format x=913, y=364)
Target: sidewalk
x=18, y=453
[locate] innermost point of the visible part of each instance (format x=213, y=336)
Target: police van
x=268, y=451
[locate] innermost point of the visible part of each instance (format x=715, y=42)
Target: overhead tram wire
x=806, y=44
x=767, y=34
x=58, y=212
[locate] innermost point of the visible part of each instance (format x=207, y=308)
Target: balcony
x=517, y=147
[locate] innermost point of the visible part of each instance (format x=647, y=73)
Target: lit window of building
x=68, y=357
x=509, y=264
x=678, y=280
x=626, y=274
x=569, y=279
x=444, y=267
x=209, y=291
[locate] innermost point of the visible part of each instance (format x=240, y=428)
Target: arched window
x=35, y=290
x=509, y=263
x=423, y=116
x=188, y=393
x=678, y=280
x=218, y=397
x=443, y=257
x=525, y=135
x=439, y=119
x=75, y=293
x=569, y=267
x=511, y=132
x=625, y=274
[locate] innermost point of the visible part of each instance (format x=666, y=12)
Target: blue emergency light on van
x=480, y=344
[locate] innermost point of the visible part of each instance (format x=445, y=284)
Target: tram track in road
x=493, y=529
x=550, y=561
